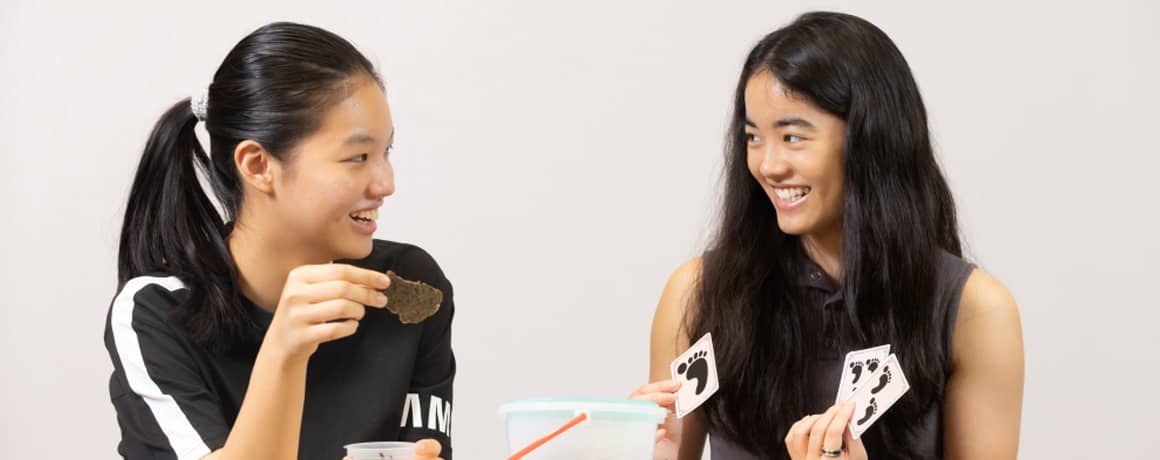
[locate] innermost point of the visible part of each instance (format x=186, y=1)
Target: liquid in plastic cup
x=389, y=450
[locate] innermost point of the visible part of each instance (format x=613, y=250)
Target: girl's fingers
x=832, y=438
x=330, y=310
x=660, y=386
x=326, y=332
x=341, y=289
x=428, y=448
x=311, y=274
x=666, y=400
x=799, y=436
x=818, y=432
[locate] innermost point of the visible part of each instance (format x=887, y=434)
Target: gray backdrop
x=560, y=159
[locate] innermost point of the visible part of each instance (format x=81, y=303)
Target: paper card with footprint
x=859, y=366
x=873, y=399
x=696, y=369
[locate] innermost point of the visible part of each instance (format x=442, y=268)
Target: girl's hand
x=321, y=303
x=813, y=434
x=664, y=393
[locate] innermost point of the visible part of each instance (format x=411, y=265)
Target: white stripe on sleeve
x=184, y=439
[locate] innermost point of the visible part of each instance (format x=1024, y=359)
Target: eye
x=792, y=139
x=359, y=159
x=752, y=138
x=387, y=152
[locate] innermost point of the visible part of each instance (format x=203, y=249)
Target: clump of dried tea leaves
x=412, y=301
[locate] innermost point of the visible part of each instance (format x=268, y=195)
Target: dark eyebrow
x=359, y=138
x=363, y=138
x=791, y=121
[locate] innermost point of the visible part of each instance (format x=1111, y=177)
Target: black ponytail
x=171, y=227
x=272, y=88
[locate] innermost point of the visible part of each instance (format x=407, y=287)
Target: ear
x=255, y=165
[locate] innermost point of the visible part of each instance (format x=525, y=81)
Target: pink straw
x=539, y=442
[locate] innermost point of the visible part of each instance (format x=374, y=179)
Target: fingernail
x=384, y=280
x=382, y=299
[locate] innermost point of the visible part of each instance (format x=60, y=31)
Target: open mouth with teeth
x=792, y=195
x=367, y=216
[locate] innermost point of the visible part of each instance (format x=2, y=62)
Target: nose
x=382, y=180
x=773, y=164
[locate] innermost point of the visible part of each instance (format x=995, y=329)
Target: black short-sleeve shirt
x=177, y=399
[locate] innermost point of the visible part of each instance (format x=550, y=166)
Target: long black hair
x=273, y=88
x=897, y=215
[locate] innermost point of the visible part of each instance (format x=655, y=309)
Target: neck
x=263, y=261
x=826, y=251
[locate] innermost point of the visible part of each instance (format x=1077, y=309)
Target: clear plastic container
x=616, y=429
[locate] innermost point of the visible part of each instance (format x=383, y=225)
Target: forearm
x=270, y=420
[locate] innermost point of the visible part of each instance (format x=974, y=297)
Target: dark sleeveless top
x=952, y=275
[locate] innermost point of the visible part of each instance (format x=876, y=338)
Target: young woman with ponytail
x=246, y=334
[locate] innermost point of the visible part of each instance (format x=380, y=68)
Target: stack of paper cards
x=873, y=380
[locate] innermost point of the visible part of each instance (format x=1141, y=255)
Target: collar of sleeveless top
x=814, y=277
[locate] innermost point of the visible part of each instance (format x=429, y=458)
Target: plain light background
x=560, y=159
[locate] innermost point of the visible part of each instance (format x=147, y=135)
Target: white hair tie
x=199, y=102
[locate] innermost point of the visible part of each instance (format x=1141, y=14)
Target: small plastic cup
x=389, y=450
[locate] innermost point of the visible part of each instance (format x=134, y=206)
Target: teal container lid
x=597, y=409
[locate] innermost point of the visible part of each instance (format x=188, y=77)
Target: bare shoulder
x=679, y=292
x=985, y=391
x=672, y=319
x=685, y=278
x=988, y=318
x=983, y=296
